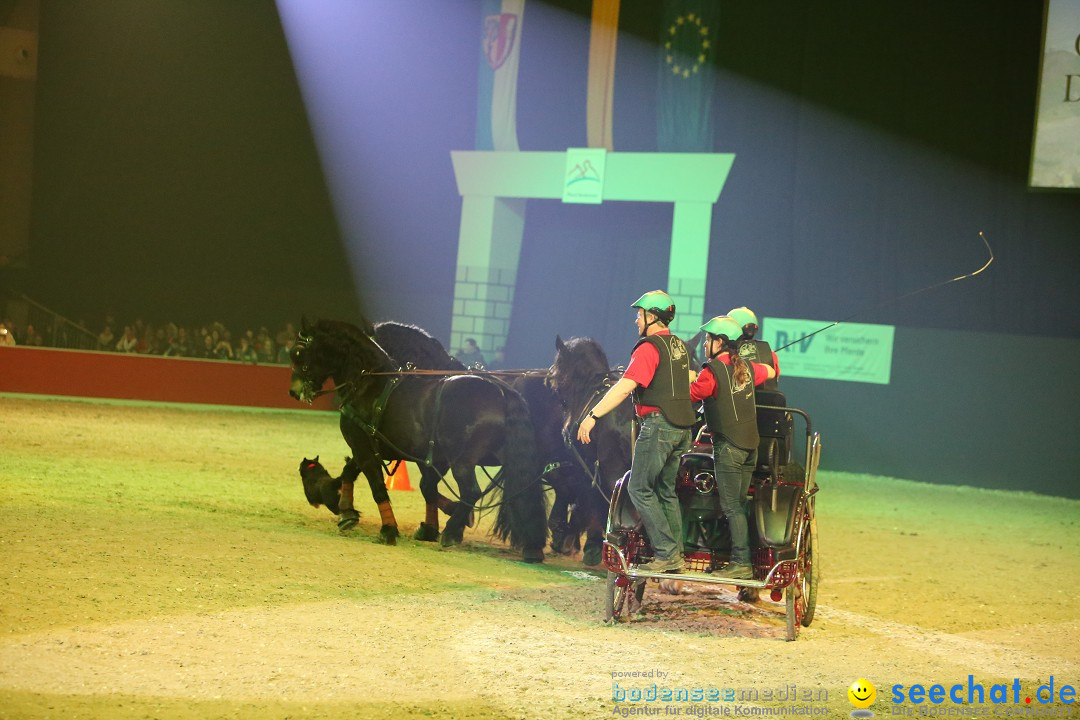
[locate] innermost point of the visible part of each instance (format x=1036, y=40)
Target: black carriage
x=783, y=525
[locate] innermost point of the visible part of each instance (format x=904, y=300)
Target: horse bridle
x=303, y=343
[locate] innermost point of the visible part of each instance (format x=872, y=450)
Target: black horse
x=443, y=423
x=411, y=344
x=408, y=346
x=580, y=376
x=563, y=472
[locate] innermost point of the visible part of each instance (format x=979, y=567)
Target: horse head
x=334, y=349
x=309, y=369
x=580, y=376
x=580, y=367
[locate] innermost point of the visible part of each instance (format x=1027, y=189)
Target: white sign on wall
x=856, y=352
x=583, y=181
x=1055, y=155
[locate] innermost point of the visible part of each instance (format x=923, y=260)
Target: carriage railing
x=811, y=456
x=813, y=440
x=812, y=451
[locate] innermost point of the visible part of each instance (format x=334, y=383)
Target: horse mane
x=580, y=365
x=361, y=350
x=409, y=343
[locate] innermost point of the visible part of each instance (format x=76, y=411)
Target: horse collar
x=377, y=408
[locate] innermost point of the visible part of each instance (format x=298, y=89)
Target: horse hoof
x=426, y=533
x=348, y=520
x=388, y=534
x=450, y=538
x=533, y=556
x=592, y=555
x=456, y=507
x=561, y=548
x=557, y=541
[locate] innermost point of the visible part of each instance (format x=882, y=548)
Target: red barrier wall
x=48, y=371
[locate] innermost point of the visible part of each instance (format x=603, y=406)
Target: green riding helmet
x=723, y=327
x=659, y=303
x=747, y=320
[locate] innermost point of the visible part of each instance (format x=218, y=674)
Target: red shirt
x=643, y=363
x=705, y=385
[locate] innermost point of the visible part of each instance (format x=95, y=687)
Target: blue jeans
x=651, y=487
x=733, y=468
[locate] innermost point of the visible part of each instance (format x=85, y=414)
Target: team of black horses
x=402, y=398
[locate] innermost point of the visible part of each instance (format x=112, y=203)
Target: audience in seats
x=209, y=341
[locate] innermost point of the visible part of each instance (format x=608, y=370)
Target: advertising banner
x=855, y=352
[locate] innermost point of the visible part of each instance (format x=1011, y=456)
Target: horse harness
x=370, y=423
x=594, y=473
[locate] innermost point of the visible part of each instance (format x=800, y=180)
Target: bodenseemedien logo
x=862, y=694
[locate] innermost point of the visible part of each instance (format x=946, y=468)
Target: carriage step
x=712, y=578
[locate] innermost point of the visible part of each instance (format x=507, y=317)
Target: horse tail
x=522, y=515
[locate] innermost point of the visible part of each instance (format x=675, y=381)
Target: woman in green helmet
x=726, y=384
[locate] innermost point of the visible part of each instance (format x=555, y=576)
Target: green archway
x=494, y=187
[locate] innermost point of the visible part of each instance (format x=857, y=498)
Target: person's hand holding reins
x=618, y=392
x=585, y=428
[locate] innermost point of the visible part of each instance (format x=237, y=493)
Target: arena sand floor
x=161, y=562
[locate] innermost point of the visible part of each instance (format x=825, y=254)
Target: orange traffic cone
x=400, y=479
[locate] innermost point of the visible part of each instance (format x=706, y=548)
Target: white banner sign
x=855, y=352
x=1055, y=159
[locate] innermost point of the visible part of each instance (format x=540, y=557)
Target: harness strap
x=379, y=439
x=371, y=426
x=435, y=422
x=380, y=402
x=594, y=473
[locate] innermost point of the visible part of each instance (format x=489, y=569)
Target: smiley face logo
x=862, y=693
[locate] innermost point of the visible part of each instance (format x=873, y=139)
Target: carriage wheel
x=622, y=601
x=801, y=594
x=616, y=599
x=812, y=572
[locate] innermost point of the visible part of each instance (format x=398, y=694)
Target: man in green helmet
x=659, y=377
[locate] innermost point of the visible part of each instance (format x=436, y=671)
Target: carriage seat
x=775, y=428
